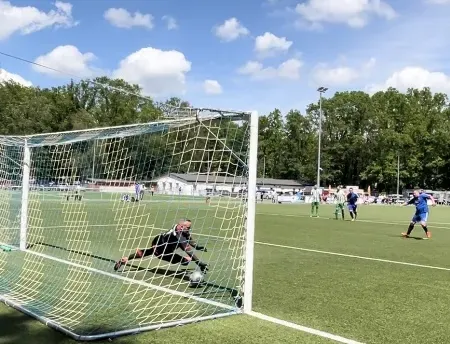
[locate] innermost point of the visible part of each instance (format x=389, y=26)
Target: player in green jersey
x=340, y=203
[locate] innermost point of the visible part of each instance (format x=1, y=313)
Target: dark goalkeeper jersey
x=169, y=241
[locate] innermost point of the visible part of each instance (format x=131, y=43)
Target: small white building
x=198, y=184
x=202, y=184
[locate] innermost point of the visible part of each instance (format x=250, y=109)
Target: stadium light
x=398, y=174
x=321, y=90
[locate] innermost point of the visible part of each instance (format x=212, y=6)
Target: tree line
x=363, y=139
x=363, y=136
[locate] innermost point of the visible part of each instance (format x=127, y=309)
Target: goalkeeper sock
x=410, y=228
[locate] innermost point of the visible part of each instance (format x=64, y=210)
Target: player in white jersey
x=315, y=201
x=340, y=203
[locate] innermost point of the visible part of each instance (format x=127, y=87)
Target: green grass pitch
x=358, y=280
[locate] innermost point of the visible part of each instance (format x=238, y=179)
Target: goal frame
x=247, y=285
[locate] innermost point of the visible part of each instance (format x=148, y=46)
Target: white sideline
x=354, y=256
x=404, y=223
x=279, y=246
x=326, y=335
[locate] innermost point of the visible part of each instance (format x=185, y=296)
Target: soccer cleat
x=405, y=235
x=428, y=235
x=353, y=220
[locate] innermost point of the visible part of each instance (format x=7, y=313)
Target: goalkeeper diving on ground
x=164, y=246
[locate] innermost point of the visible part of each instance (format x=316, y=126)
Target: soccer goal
x=74, y=203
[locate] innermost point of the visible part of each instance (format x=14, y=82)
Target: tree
x=272, y=139
x=363, y=135
x=300, y=148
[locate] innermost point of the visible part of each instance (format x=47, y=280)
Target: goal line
x=231, y=310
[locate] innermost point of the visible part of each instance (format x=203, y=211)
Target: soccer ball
x=196, y=278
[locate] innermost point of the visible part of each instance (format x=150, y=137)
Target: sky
x=235, y=54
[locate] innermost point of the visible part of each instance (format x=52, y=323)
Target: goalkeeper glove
x=201, y=248
x=203, y=266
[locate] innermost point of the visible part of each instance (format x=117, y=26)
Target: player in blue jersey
x=420, y=200
x=352, y=199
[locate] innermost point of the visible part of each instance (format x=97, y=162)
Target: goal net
x=74, y=203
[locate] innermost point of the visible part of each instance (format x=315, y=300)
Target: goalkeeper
x=164, y=246
x=340, y=203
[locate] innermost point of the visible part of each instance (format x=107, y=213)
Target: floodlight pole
x=398, y=174
x=321, y=90
x=264, y=169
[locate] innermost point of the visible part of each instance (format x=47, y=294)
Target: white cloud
x=212, y=87
x=340, y=75
x=269, y=44
x=67, y=59
x=230, y=30
x=415, y=77
x=158, y=72
x=29, y=19
x=289, y=69
x=170, y=22
x=354, y=13
x=120, y=17
x=6, y=76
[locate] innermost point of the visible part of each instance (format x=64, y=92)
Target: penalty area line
x=404, y=223
x=294, y=326
x=353, y=256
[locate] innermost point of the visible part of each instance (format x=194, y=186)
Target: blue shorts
x=352, y=207
x=421, y=217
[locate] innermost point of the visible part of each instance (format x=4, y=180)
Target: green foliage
x=362, y=135
x=362, y=138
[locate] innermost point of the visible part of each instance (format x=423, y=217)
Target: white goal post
x=72, y=204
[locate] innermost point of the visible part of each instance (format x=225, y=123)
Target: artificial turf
x=348, y=278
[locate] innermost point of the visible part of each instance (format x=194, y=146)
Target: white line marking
x=354, y=256
x=322, y=334
x=130, y=280
x=305, y=250
x=404, y=223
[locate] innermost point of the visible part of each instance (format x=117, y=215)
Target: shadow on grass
x=203, y=289
x=411, y=237
x=18, y=328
